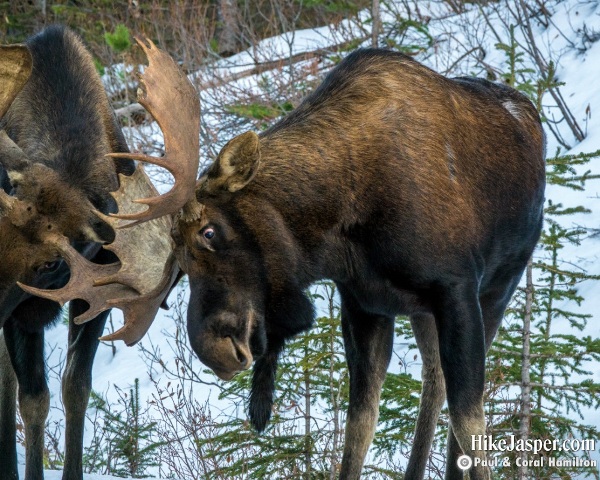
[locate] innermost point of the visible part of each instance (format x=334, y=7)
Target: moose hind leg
x=8, y=404
x=493, y=304
x=433, y=394
x=368, y=341
x=77, y=384
x=26, y=350
x=462, y=354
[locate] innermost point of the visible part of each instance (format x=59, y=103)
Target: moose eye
x=208, y=233
x=48, y=267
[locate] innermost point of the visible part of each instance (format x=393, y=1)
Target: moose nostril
x=243, y=359
x=241, y=355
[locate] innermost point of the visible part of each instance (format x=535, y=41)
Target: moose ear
x=15, y=68
x=235, y=166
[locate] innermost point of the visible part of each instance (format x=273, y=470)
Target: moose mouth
x=225, y=375
x=225, y=356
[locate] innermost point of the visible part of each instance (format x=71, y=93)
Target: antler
x=169, y=96
x=147, y=268
x=138, y=283
x=15, y=68
x=83, y=273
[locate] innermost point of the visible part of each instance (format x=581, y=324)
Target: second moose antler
x=168, y=95
x=140, y=281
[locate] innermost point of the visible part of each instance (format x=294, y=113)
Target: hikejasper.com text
x=512, y=443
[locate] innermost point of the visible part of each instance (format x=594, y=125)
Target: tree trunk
x=229, y=29
x=376, y=26
x=333, y=469
x=307, y=439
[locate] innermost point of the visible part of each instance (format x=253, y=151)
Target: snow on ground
x=57, y=475
x=578, y=65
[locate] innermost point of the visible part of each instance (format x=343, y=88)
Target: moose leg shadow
x=368, y=341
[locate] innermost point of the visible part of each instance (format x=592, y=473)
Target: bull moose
x=416, y=194
x=56, y=127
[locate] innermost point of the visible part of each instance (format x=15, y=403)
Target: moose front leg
x=462, y=354
x=8, y=403
x=26, y=351
x=368, y=341
x=77, y=384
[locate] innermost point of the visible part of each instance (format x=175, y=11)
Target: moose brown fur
x=417, y=194
x=53, y=142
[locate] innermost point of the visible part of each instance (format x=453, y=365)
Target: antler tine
x=82, y=280
x=6, y=202
x=178, y=116
x=139, y=312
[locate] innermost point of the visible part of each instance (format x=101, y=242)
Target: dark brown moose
x=416, y=194
x=58, y=185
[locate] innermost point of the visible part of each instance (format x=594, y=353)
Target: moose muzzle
x=223, y=343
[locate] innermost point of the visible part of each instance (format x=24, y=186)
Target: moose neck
x=314, y=183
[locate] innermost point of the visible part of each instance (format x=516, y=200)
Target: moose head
x=42, y=206
x=50, y=223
